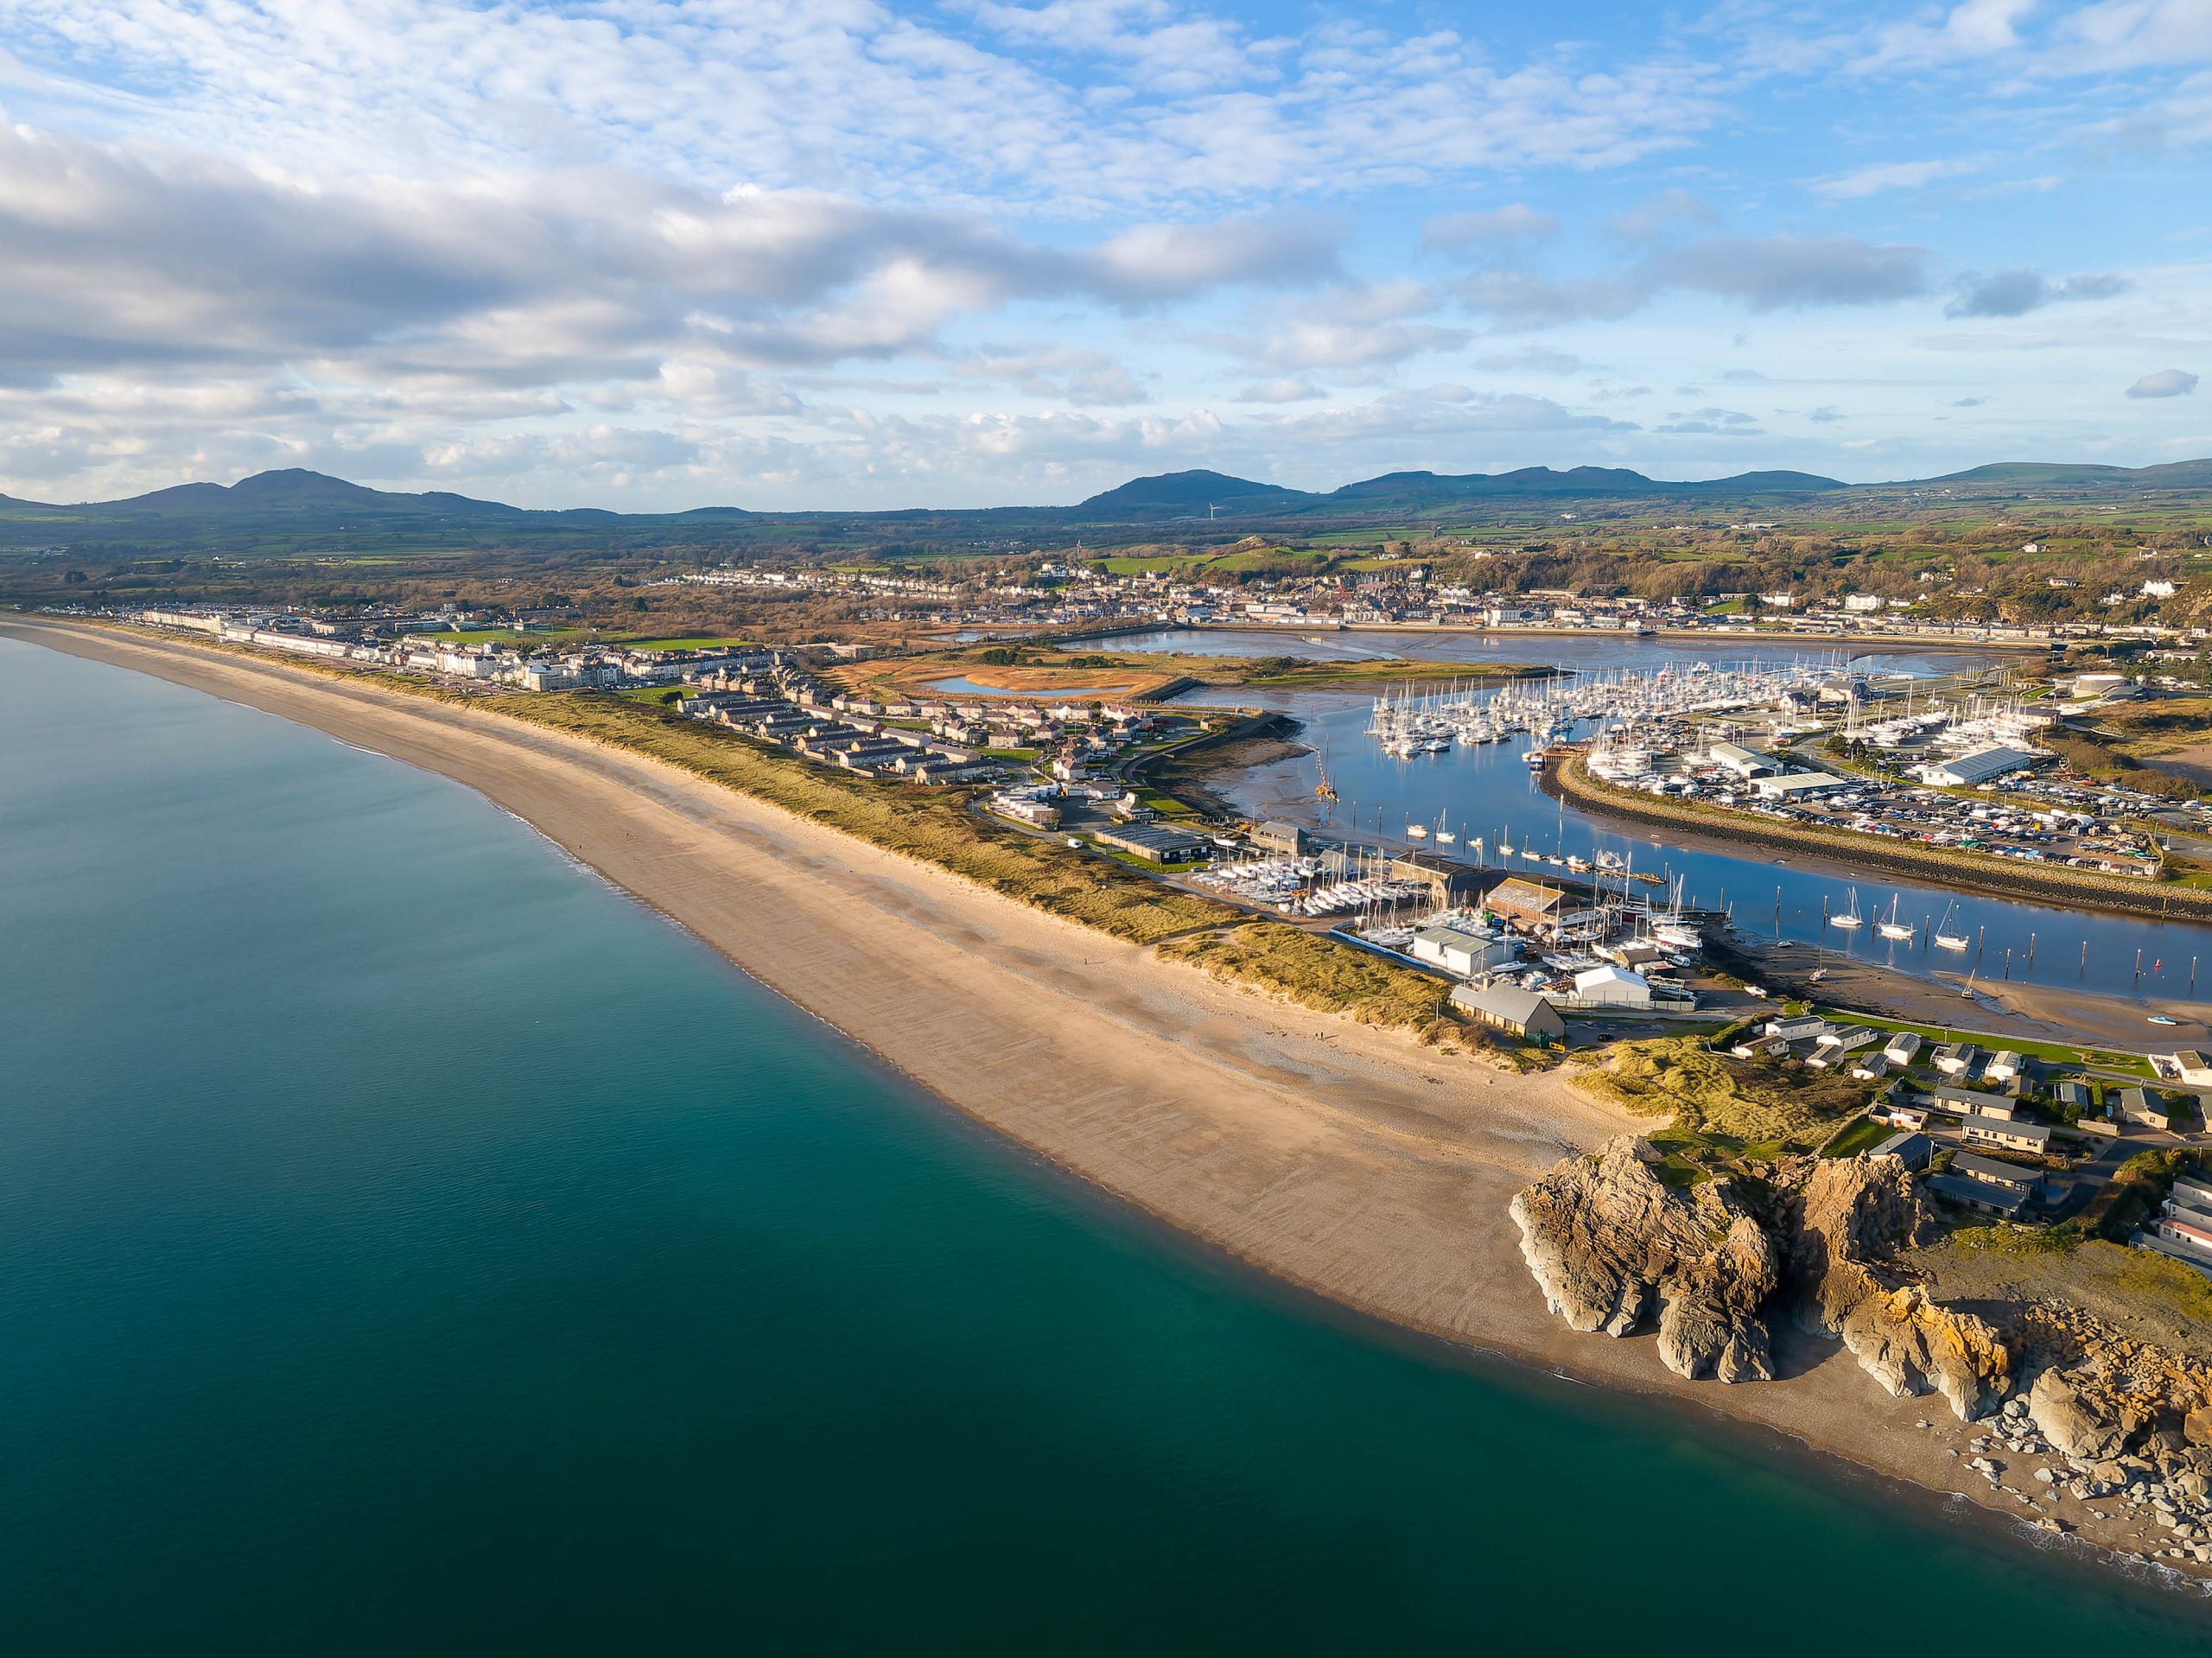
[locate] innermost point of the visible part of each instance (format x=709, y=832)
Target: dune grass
x=1751, y=1106
x=933, y=825
x=1319, y=973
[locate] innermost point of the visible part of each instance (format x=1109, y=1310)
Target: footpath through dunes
x=1351, y=1161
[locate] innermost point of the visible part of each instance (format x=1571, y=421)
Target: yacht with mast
x=1945, y=938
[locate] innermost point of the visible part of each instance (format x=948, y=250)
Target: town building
x=1972, y=1102
x=2141, y=1107
x=1284, y=840
x=1161, y=846
x=1613, y=987
x=1462, y=952
x=1516, y=1012
x=1982, y=765
x=2012, y=1136
x=1916, y=1151
x=2191, y=1069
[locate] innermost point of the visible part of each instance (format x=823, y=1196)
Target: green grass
x=702, y=642
x=1860, y=1134
x=1319, y=973
x=1709, y=1093
x=495, y=635
x=2053, y=1052
x=934, y=826
x=2133, y=1193
x=1167, y=805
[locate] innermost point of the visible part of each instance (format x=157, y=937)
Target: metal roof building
x=1979, y=766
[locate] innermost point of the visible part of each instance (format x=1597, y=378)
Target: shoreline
x=1347, y=1163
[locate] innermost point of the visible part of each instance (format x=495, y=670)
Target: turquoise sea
x=410, y=1244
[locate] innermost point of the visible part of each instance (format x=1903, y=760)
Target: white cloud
x=2016, y=293
x=2130, y=33
x=1287, y=389
x=1975, y=29
x=1652, y=218
x=1765, y=273
x=1515, y=223
x=182, y=259
x=2166, y=382
x=850, y=96
x=1888, y=176
x=1777, y=272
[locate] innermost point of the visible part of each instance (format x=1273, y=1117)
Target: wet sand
x=1348, y=1161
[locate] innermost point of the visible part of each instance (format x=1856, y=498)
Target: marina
x=1505, y=820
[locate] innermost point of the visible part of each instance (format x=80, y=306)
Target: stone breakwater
x=2077, y=889
x=2080, y=1425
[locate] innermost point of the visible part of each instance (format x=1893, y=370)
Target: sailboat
x=1894, y=928
x=1445, y=836
x=1848, y=920
x=1945, y=938
x=1671, y=929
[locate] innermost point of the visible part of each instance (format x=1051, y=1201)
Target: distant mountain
x=1429, y=489
x=1194, y=495
x=2065, y=474
x=1204, y=494
x=293, y=490
x=294, y=510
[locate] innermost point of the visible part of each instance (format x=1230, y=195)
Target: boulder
x=2081, y=1420
x=1911, y=1345
x=1608, y=1242
x=2197, y=1426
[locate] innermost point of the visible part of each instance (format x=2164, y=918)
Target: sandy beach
x=1351, y=1162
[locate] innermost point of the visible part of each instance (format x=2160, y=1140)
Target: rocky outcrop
x=1854, y=1214
x=1911, y=1345
x=1851, y=1213
x=1609, y=1243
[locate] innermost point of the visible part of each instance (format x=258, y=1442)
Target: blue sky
x=842, y=254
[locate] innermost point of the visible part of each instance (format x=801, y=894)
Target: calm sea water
x=408, y=1243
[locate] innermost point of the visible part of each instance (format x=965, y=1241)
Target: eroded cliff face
x=1609, y=1243
x=1853, y=1214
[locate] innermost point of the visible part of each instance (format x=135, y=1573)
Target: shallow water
x=412, y=1244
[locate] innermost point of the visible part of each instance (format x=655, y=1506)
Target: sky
x=836, y=254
